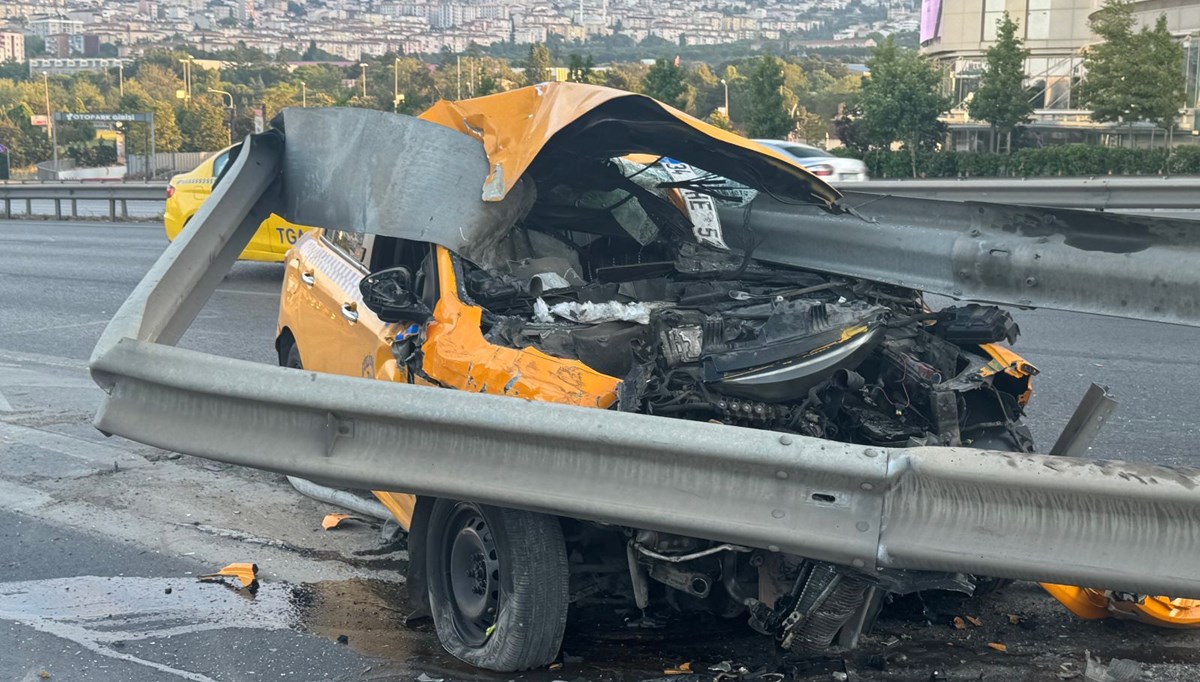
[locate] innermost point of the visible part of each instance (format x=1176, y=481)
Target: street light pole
x=230, y=107
x=396, y=84
x=49, y=116
x=726, y=84
x=187, y=78
x=121, y=78
x=303, y=94
x=364, y=78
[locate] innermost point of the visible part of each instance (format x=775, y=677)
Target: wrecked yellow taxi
x=629, y=281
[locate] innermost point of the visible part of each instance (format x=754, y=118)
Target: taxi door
x=339, y=335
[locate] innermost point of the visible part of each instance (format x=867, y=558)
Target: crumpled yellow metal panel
x=1093, y=604
x=515, y=125
x=457, y=355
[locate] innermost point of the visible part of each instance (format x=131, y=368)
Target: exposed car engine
x=645, y=287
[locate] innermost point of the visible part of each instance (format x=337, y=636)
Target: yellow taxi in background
x=187, y=191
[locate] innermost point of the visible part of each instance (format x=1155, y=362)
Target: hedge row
x=1065, y=160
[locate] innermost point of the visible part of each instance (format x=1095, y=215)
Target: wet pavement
x=94, y=531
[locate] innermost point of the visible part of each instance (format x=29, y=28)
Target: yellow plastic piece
x=1160, y=611
x=1006, y=361
x=247, y=573
x=332, y=521
x=1093, y=604
x=1084, y=602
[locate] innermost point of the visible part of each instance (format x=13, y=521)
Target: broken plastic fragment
x=1117, y=670
x=959, y=623
x=332, y=521
x=997, y=646
x=245, y=572
x=977, y=622
x=682, y=669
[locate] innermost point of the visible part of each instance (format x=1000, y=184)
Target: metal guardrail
x=117, y=194
x=1106, y=263
x=1117, y=193
x=1152, y=193
x=1115, y=525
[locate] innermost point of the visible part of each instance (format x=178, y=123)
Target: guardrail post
x=112, y=209
x=8, y=209
x=28, y=207
x=124, y=208
x=58, y=209
x=74, y=208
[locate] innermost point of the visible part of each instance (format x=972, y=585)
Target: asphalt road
x=107, y=521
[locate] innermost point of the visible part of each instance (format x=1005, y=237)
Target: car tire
x=498, y=584
x=292, y=358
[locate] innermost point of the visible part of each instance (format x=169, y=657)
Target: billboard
x=931, y=20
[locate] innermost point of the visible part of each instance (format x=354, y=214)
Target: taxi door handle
x=350, y=312
x=308, y=278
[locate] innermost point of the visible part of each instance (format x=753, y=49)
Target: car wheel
x=497, y=584
x=292, y=359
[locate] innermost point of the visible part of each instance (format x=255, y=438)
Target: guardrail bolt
x=858, y=563
x=782, y=475
x=862, y=526
x=777, y=513
x=871, y=452
x=785, y=439
x=975, y=232
x=1031, y=281
x=868, y=486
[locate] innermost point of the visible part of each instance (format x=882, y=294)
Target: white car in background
x=832, y=169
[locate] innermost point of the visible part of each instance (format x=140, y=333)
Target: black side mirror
x=388, y=293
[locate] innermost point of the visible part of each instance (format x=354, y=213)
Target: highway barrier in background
x=1100, y=193
x=60, y=194
x=1109, y=192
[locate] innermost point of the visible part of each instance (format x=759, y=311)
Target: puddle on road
x=97, y=613
x=101, y=613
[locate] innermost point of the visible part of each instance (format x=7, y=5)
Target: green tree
x=901, y=100
x=664, y=82
x=1002, y=100
x=160, y=83
x=628, y=77
x=769, y=116
x=579, y=69
x=537, y=68
x=166, y=130
x=202, y=126
x=720, y=120
x=1163, y=91
x=1112, y=65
